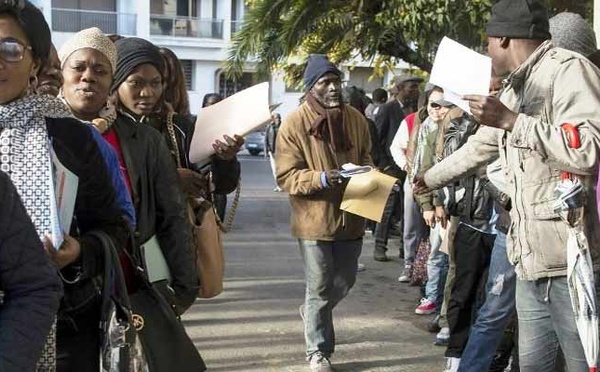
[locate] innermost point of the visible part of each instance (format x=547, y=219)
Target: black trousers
x=393, y=211
x=473, y=251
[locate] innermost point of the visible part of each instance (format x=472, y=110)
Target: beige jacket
x=553, y=86
x=300, y=160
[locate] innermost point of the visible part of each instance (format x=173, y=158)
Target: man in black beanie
x=313, y=143
x=545, y=88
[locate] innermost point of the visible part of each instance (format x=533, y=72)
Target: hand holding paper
x=366, y=194
x=488, y=110
x=239, y=115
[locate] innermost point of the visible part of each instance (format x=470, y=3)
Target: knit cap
x=519, y=19
x=131, y=53
x=570, y=31
x=92, y=38
x=317, y=66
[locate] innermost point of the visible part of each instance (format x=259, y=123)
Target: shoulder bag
x=206, y=229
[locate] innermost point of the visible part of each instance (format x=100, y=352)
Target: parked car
x=255, y=142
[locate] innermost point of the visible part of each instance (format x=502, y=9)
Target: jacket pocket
x=544, y=210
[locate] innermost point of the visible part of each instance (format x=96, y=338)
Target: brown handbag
x=207, y=229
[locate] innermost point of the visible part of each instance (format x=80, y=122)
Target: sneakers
x=426, y=307
x=443, y=336
x=405, y=276
x=379, y=255
x=320, y=363
x=452, y=364
x=277, y=189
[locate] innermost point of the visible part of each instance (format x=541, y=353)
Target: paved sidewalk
x=255, y=326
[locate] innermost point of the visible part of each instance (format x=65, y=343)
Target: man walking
x=313, y=143
x=545, y=88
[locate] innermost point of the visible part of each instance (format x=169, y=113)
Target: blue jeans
x=437, y=268
x=546, y=320
x=486, y=333
x=330, y=272
x=414, y=225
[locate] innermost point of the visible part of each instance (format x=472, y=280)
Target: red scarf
x=329, y=125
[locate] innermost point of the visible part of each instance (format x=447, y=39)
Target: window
x=359, y=76
x=188, y=69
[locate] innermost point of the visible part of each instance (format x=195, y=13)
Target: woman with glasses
x=37, y=132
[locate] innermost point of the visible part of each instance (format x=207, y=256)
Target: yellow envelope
x=366, y=194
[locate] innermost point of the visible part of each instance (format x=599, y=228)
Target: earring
x=33, y=85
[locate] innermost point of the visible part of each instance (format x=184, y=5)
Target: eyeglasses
x=434, y=105
x=12, y=50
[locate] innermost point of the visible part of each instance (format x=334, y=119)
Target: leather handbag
x=166, y=345
x=208, y=244
x=207, y=229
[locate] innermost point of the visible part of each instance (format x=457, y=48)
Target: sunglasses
x=434, y=105
x=12, y=50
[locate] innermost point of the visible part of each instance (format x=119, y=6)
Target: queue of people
x=474, y=198
x=107, y=111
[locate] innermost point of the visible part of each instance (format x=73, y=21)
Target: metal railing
x=236, y=26
x=186, y=26
x=75, y=20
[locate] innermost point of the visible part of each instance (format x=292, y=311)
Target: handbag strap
x=226, y=226
x=171, y=132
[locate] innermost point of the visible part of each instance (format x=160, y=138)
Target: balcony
x=74, y=20
x=164, y=25
x=236, y=26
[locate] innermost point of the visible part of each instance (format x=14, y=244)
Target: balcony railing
x=236, y=26
x=186, y=26
x=74, y=20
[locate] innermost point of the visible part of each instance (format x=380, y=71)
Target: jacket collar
x=517, y=78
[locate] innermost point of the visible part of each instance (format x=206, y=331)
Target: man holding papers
x=545, y=88
x=313, y=143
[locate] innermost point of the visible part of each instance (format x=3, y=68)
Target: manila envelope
x=366, y=194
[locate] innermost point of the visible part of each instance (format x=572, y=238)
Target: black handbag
x=167, y=347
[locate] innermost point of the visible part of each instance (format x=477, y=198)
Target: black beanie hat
x=519, y=19
x=132, y=52
x=317, y=66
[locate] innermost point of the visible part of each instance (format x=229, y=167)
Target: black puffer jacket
x=159, y=203
x=30, y=282
x=476, y=206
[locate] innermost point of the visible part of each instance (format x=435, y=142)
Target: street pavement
x=254, y=325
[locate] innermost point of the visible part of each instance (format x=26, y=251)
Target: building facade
x=198, y=31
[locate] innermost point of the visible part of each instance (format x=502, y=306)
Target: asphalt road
x=254, y=324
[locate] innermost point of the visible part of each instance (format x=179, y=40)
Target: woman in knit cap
x=89, y=61
x=32, y=127
x=141, y=94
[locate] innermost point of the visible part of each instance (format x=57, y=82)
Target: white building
x=198, y=31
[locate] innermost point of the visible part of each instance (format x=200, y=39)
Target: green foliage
x=279, y=34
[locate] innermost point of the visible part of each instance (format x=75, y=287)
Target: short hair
x=380, y=95
x=209, y=96
x=32, y=22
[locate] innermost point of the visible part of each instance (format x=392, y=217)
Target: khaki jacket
x=300, y=160
x=553, y=86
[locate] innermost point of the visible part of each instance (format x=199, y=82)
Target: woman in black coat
x=31, y=286
x=36, y=130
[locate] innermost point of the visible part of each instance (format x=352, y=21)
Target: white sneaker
x=320, y=363
x=452, y=364
x=443, y=336
x=405, y=276
x=360, y=268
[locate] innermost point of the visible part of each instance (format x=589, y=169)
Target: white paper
x=460, y=71
x=239, y=114
x=63, y=204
